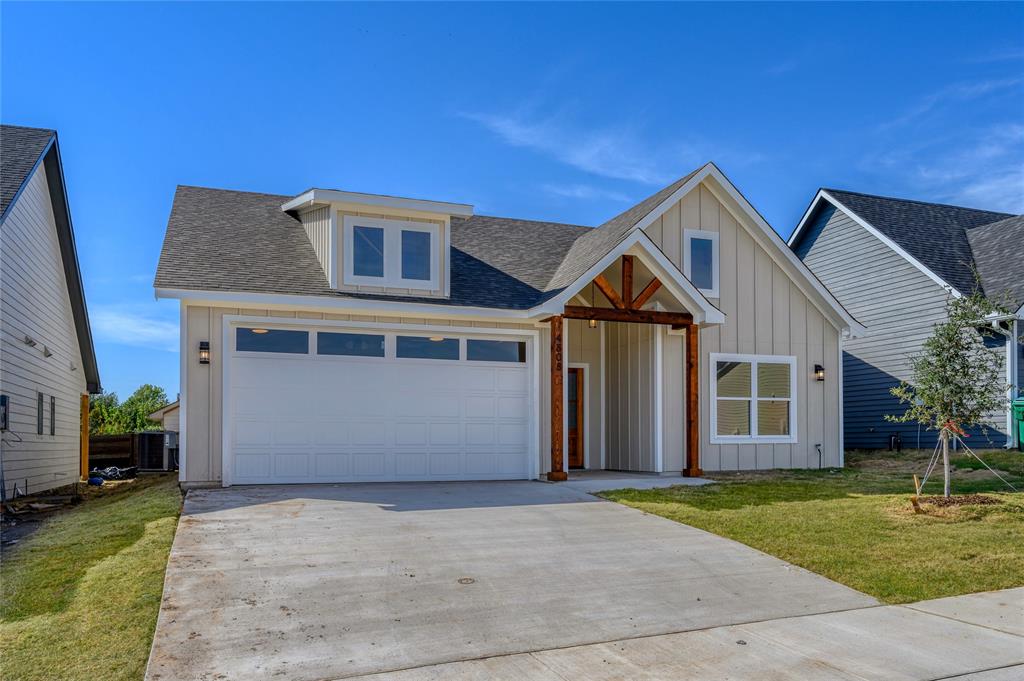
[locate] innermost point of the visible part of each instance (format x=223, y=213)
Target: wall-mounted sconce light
x=819, y=372
x=204, y=352
x=30, y=341
x=593, y=323
x=46, y=352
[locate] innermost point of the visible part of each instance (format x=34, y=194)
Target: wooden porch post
x=692, y=469
x=557, y=416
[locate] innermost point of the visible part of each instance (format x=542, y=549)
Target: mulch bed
x=961, y=500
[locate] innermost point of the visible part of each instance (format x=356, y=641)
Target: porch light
x=437, y=339
x=258, y=330
x=592, y=323
x=204, y=352
x=819, y=372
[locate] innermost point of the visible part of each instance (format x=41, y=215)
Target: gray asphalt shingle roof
x=221, y=240
x=20, y=150
x=935, y=234
x=998, y=250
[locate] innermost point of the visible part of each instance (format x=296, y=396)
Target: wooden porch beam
x=675, y=319
x=646, y=294
x=605, y=287
x=627, y=281
x=557, y=417
x=692, y=404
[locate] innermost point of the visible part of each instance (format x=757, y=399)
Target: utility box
x=1018, y=421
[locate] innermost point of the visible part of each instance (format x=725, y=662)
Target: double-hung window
x=753, y=398
x=700, y=260
x=393, y=253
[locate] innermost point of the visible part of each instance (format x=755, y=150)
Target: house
x=334, y=336
x=892, y=263
x=47, y=363
x=168, y=417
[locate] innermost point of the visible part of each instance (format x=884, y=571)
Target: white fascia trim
x=824, y=195
x=335, y=196
x=638, y=243
x=332, y=244
x=183, y=363
x=798, y=270
x=339, y=305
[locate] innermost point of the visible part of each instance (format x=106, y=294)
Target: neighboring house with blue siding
x=892, y=263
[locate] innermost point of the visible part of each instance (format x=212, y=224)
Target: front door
x=575, y=416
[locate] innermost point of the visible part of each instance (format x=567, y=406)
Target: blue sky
x=557, y=112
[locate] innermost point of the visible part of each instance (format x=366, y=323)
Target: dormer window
x=392, y=253
x=700, y=260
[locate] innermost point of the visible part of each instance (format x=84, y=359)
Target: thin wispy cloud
x=1009, y=54
x=782, y=67
x=955, y=93
x=979, y=169
x=585, y=191
x=986, y=172
x=133, y=325
x=614, y=153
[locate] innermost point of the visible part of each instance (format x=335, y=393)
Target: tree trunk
x=945, y=461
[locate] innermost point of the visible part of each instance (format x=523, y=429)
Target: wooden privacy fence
x=123, y=450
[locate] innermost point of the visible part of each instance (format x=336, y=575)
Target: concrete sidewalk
x=979, y=637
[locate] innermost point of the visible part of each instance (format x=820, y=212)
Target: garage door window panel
x=350, y=344
x=495, y=351
x=258, y=339
x=424, y=347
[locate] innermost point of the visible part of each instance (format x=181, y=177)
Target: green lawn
x=79, y=598
x=856, y=525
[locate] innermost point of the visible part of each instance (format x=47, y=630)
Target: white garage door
x=346, y=405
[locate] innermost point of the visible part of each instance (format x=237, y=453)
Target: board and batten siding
x=34, y=302
x=203, y=390
x=766, y=314
x=317, y=223
x=898, y=303
x=630, y=354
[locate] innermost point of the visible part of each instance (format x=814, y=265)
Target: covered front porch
x=624, y=372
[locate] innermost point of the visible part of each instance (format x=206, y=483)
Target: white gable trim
x=823, y=195
x=639, y=244
x=783, y=256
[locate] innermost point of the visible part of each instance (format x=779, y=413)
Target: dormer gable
x=371, y=243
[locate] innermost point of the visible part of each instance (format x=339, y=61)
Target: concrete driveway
x=329, y=582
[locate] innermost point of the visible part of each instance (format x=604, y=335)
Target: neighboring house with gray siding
x=893, y=263
x=47, y=362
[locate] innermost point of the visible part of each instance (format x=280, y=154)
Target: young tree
x=137, y=408
x=955, y=380
x=105, y=416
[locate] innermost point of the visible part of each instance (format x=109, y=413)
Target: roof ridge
x=530, y=220
x=917, y=201
x=28, y=127
x=231, y=191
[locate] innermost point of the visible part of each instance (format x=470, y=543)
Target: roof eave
x=328, y=196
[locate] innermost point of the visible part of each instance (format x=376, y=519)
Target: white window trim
x=689, y=234
x=753, y=360
x=392, y=253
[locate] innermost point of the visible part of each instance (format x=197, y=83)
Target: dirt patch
x=961, y=500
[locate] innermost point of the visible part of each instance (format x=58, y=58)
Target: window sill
x=745, y=440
